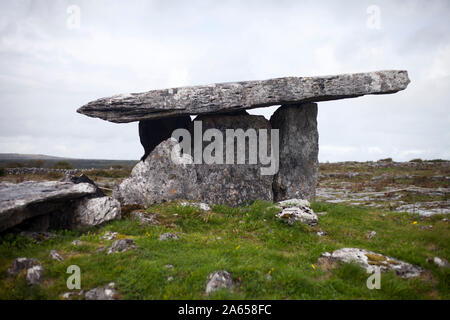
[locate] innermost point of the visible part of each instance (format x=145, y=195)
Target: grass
x=247, y=241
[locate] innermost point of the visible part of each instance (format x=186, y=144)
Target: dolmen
x=225, y=155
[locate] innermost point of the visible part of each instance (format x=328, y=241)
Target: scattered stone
x=322, y=233
x=146, y=218
x=107, y=292
x=34, y=275
x=322, y=213
x=22, y=263
x=167, y=236
x=170, y=278
x=441, y=262
x=293, y=203
x=69, y=295
x=77, y=243
x=55, y=255
x=371, y=234
x=169, y=266
x=218, y=280
x=297, y=210
x=200, y=205
x=121, y=245
x=233, y=96
x=109, y=235
x=219, y=238
x=371, y=260
x=38, y=236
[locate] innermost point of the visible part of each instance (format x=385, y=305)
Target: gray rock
x=441, y=262
x=234, y=96
x=170, y=278
x=22, y=201
x=95, y=211
x=159, y=179
x=297, y=210
x=374, y=261
x=55, y=255
x=68, y=177
x=322, y=233
x=121, y=245
x=200, y=205
x=371, y=234
x=289, y=203
x=22, y=263
x=219, y=280
x=109, y=235
x=107, y=292
x=299, y=147
x=146, y=218
x=233, y=184
x=77, y=243
x=69, y=295
x=34, y=275
x=153, y=132
x=38, y=236
x=167, y=236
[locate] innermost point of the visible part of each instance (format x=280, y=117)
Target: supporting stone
x=299, y=148
x=159, y=179
x=153, y=132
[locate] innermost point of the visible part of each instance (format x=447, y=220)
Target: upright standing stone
x=299, y=148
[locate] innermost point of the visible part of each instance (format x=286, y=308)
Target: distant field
x=43, y=161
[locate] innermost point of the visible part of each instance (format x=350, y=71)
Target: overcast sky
x=50, y=66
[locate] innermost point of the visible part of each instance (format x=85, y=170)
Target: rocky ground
x=419, y=187
x=359, y=223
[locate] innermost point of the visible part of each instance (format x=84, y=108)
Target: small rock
x=302, y=214
x=170, y=278
x=371, y=234
x=322, y=213
x=121, y=245
x=168, y=235
x=219, y=279
x=146, y=218
x=109, y=235
x=55, y=255
x=22, y=263
x=169, y=266
x=38, y=236
x=77, y=243
x=69, y=295
x=293, y=203
x=34, y=275
x=441, y=262
x=322, y=233
x=219, y=238
x=107, y=292
x=371, y=260
x=200, y=205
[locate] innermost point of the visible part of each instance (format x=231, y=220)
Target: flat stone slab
x=16, y=198
x=232, y=96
